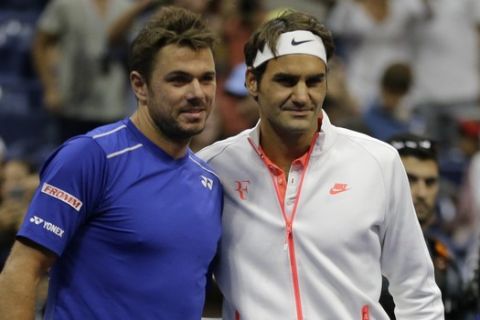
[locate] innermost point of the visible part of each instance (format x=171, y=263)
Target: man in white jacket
x=313, y=214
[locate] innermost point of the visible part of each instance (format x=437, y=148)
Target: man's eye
x=207, y=78
x=287, y=82
x=179, y=80
x=314, y=81
x=430, y=181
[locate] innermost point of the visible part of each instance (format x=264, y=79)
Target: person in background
x=244, y=107
x=313, y=214
x=82, y=86
x=419, y=157
x=110, y=221
x=373, y=34
x=442, y=95
x=387, y=114
x=3, y=151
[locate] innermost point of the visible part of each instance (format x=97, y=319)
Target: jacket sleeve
x=405, y=259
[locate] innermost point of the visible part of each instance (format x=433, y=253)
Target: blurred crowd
x=401, y=66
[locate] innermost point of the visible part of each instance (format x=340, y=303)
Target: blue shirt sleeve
x=71, y=187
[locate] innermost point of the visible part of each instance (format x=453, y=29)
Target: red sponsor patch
x=62, y=195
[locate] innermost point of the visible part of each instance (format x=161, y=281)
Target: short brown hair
x=286, y=22
x=170, y=25
x=397, y=78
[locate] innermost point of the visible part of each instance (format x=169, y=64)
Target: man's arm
x=406, y=262
x=120, y=28
x=23, y=271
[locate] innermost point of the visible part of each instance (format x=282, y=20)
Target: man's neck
x=175, y=148
x=284, y=149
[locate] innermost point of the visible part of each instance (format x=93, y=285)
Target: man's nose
x=420, y=188
x=300, y=94
x=196, y=91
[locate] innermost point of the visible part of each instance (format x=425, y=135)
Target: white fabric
x=372, y=46
x=294, y=42
x=343, y=242
x=446, y=61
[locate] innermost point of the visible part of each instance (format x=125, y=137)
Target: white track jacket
x=319, y=249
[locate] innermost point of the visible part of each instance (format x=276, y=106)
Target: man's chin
x=188, y=132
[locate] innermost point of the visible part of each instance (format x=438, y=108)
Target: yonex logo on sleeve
x=207, y=182
x=48, y=226
x=62, y=195
x=36, y=220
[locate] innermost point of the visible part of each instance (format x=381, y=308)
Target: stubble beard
x=173, y=131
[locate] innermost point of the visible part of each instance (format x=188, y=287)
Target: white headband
x=294, y=42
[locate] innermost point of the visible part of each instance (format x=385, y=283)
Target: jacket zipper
x=290, y=243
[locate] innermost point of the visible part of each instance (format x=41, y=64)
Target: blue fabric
x=135, y=230
x=382, y=124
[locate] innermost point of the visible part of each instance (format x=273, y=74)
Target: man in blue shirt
x=126, y=218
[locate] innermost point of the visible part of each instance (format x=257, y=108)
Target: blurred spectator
x=341, y=106
x=120, y=30
x=470, y=209
x=317, y=8
x=239, y=19
x=125, y=25
x=24, y=124
x=387, y=116
x=245, y=105
x=3, y=150
x=419, y=157
x=236, y=108
x=467, y=223
x=446, y=67
x=372, y=34
x=82, y=85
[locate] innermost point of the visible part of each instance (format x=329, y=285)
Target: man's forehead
x=174, y=53
x=297, y=63
x=420, y=167
x=174, y=58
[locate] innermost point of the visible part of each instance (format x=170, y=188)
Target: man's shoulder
x=367, y=144
x=202, y=166
x=114, y=137
x=230, y=146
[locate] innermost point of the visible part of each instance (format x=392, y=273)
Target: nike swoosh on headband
x=296, y=43
x=286, y=44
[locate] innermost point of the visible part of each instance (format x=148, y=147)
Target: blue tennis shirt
x=134, y=229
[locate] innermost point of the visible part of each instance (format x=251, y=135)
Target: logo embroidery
x=36, y=220
x=365, y=313
x=338, y=188
x=207, y=182
x=296, y=43
x=242, y=188
x=62, y=195
x=47, y=226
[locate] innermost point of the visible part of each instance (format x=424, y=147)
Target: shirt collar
x=324, y=141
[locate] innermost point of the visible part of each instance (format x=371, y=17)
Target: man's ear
x=139, y=87
x=251, y=82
